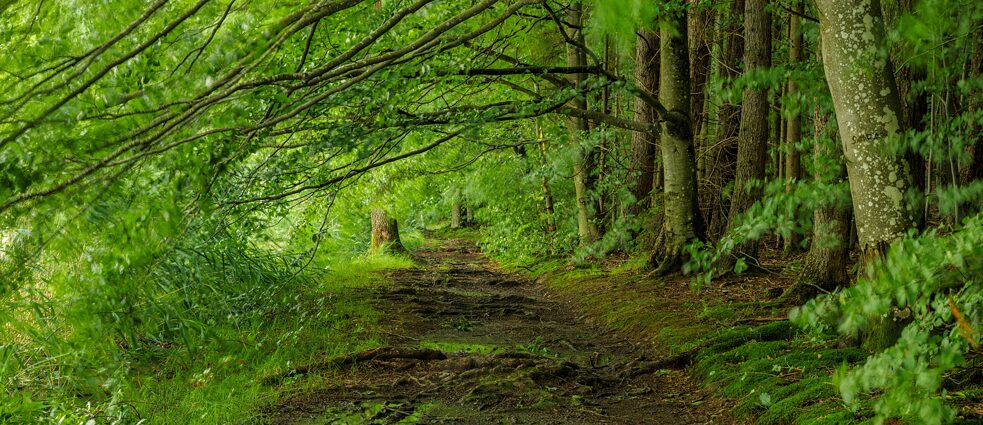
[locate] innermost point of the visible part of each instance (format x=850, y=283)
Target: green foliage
x=932, y=284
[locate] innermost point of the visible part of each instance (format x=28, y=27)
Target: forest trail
x=470, y=344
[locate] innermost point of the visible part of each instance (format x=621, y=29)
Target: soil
x=470, y=344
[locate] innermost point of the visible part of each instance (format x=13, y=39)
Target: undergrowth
x=217, y=314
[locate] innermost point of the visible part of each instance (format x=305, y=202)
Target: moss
x=458, y=347
x=777, y=376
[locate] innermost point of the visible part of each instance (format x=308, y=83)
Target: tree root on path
x=382, y=353
x=678, y=361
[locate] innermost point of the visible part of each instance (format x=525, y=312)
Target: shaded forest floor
x=469, y=343
x=461, y=339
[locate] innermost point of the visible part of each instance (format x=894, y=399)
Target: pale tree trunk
x=641, y=164
x=385, y=234
x=825, y=266
x=682, y=222
x=793, y=134
x=586, y=228
x=723, y=155
x=865, y=95
x=752, y=144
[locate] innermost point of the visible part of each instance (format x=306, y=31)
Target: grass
x=222, y=383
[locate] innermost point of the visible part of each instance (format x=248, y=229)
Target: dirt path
x=472, y=345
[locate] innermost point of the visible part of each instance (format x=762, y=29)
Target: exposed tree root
x=382, y=353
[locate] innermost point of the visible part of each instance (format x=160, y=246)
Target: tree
x=579, y=126
x=385, y=234
x=825, y=265
x=723, y=153
x=793, y=133
x=752, y=144
x=682, y=222
x=701, y=19
x=865, y=97
x=641, y=165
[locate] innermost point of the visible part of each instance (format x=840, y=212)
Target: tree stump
x=385, y=234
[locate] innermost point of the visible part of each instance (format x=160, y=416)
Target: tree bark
x=865, y=96
x=456, y=216
x=825, y=266
x=752, y=144
x=545, y=184
x=723, y=155
x=586, y=228
x=793, y=133
x=682, y=222
x=700, y=23
x=385, y=234
x=641, y=165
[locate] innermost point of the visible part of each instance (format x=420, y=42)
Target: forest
x=491, y=212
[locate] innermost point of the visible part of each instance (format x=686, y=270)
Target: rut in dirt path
x=473, y=345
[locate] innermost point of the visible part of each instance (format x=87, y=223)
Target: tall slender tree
x=752, y=144
x=723, y=154
x=641, y=165
x=579, y=126
x=793, y=132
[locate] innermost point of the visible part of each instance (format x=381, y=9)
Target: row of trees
x=681, y=131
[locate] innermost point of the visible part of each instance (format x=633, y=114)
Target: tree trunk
x=385, y=234
x=682, y=222
x=914, y=105
x=456, y=216
x=793, y=134
x=752, y=144
x=825, y=266
x=586, y=228
x=545, y=183
x=723, y=155
x=641, y=165
x=865, y=97
x=700, y=23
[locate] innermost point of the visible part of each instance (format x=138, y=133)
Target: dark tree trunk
x=545, y=184
x=641, y=165
x=752, y=144
x=385, y=234
x=723, y=154
x=583, y=161
x=700, y=24
x=793, y=134
x=456, y=216
x=825, y=266
x=914, y=106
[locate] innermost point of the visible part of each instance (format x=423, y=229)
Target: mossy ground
x=771, y=373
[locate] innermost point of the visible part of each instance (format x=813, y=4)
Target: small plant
x=464, y=324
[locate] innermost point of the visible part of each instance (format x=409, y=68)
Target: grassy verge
x=222, y=382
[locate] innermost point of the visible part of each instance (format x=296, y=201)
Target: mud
x=470, y=344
